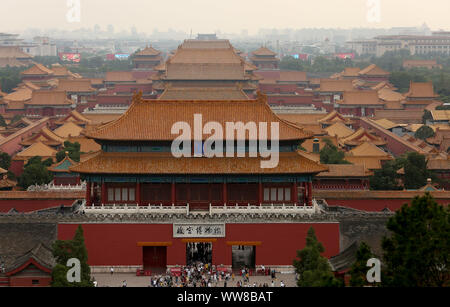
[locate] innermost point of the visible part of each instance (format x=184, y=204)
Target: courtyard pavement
x=116, y=279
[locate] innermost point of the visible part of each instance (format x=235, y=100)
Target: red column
x=225, y=196
x=88, y=193
x=103, y=197
x=295, y=192
x=309, y=193
x=138, y=193
x=260, y=193
x=174, y=195
x=303, y=193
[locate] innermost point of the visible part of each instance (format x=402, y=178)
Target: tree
x=359, y=269
x=312, y=268
x=72, y=148
x=424, y=133
x=5, y=160
x=416, y=172
x=330, y=154
x=2, y=121
x=63, y=250
x=59, y=276
x=426, y=116
x=386, y=178
x=418, y=251
x=16, y=118
x=35, y=172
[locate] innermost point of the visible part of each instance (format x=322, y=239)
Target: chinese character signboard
x=198, y=230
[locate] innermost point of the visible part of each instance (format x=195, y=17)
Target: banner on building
x=70, y=57
x=198, y=230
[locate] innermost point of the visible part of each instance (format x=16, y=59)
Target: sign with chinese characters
x=198, y=230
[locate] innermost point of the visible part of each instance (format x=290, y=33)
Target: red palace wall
x=394, y=143
x=28, y=281
x=116, y=244
x=27, y=205
x=375, y=205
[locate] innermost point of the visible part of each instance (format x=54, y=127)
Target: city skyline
x=201, y=16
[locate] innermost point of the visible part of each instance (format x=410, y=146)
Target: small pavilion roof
x=339, y=129
x=360, y=136
x=264, y=51
x=63, y=166
x=334, y=117
x=68, y=129
x=38, y=69
x=421, y=90
x=37, y=149
x=148, y=51
x=49, y=98
x=373, y=70
x=367, y=149
x=46, y=136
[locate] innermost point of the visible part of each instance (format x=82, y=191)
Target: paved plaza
x=116, y=279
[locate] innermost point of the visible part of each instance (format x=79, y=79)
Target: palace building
x=200, y=198
x=206, y=63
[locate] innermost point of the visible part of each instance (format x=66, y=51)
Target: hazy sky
x=227, y=15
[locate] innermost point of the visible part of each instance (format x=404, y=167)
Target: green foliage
x=16, y=118
x=330, y=154
x=35, y=172
x=359, y=269
x=72, y=148
x=59, y=276
x=312, y=268
x=417, y=253
x=2, y=121
x=424, y=133
x=99, y=64
x=5, y=160
x=47, y=60
x=65, y=250
x=402, y=79
x=415, y=177
x=386, y=178
x=319, y=64
x=10, y=78
x=416, y=172
x=426, y=116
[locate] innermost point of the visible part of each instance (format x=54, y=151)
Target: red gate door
x=155, y=258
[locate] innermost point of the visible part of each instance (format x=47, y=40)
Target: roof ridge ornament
x=137, y=97
x=261, y=97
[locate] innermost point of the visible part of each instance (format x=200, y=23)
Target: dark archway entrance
x=198, y=252
x=243, y=256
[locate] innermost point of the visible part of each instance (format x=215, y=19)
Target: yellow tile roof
x=441, y=115
x=339, y=129
x=37, y=149
x=386, y=123
x=165, y=163
x=68, y=129
x=367, y=149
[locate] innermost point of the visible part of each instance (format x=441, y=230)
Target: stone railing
x=264, y=209
x=283, y=209
x=133, y=209
x=53, y=187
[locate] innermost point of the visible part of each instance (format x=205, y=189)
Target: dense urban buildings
x=106, y=141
